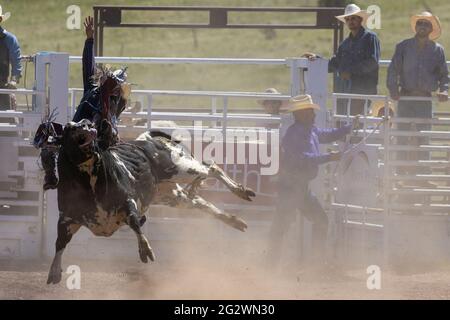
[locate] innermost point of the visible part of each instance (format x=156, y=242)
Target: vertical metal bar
x=366, y=102
x=72, y=103
x=149, y=110
x=386, y=186
x=364, y=226
x=213, y=110
x=330, y=196
x=334, y=106
x=302, y=84
x=224, y=130
x=295, y=76
x=349, y=101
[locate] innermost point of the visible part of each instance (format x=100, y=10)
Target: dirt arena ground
x=103, y=280
x=206, y=260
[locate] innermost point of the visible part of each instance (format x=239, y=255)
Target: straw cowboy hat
x=5, y=16
x=302, y=102
x=378, y=106
x=434, y=22
x=353, y=10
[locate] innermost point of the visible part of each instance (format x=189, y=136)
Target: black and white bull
x=106, y=189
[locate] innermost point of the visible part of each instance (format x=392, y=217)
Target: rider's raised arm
x=88, y=55
x=88, y=64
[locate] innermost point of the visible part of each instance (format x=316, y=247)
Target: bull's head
x=79, y=141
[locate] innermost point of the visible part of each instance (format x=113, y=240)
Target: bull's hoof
x=237, y=223
x=146, y=252
x=54, y=276
x=245, y=193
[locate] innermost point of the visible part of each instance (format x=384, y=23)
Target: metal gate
x=395, y=222
x=23, y=219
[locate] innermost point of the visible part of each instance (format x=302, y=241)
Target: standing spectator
x=9, y=55
x=356, y=61
x=273, y=107
x=418, y=68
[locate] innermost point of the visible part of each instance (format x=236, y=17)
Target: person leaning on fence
x=300, y=160
x=355, y=62
x=418, y=68
x=273, y=106
x=9, y=55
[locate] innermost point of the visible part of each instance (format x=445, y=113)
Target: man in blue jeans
x=300, y=160
x=418, y=68
x=355, y=62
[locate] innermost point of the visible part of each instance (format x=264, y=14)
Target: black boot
x=48, y=159
x=142, y=220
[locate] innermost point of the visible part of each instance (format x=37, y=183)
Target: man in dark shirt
x=356, y=61
x=9, y=55
x=418, y=68
x=300, y=160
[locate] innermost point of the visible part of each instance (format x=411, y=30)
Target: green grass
x=40, y=26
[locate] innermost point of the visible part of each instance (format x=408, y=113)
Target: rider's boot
x=48, y=159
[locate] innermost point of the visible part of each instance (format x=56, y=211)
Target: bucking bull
x=106, y=189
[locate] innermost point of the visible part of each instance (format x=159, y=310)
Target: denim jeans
x=291, y=201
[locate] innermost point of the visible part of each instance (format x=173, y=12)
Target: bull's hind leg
x=66, y=229
x=184, y=199
x=193, y=186
x=236, y=188
x=145, y=251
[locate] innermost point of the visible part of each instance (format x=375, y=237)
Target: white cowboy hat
x=353, y=10
x=434, y=22
x=5, y=16
x=302, y=102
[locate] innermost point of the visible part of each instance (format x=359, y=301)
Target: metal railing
x=22, y=214
x=420, y=198
x=297, y=65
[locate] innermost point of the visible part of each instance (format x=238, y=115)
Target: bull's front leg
x=145, y=251
x=66, y=229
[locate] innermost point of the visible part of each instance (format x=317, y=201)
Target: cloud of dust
x=210, y=260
